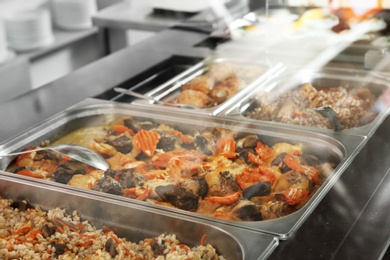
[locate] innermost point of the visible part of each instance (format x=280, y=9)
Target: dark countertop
x=351, y=222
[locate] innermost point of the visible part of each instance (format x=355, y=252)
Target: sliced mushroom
x=122, y=143
x=108, y=184
x=178, y=197
x=247, y=211
x=196, y=185
x=259, y=189
x=110, y=247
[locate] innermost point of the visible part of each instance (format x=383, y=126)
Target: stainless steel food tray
x=293, y=77
x=136, y=223
x=340, y=149
x=171, y=88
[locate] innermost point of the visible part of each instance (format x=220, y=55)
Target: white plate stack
x=3, y=43
x=73, y=14
x=28, y=29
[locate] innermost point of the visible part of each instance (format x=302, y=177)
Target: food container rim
x=345, y=146
x=367, y=130
x=236, y=233
x=174, y=84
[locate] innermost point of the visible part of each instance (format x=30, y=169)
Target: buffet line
x=260, y=147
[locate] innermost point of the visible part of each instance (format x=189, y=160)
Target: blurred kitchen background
x=43, y=40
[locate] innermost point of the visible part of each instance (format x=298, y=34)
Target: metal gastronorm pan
x=136, y=223
x=328, y=77
x=171, y=88
x=339, y=150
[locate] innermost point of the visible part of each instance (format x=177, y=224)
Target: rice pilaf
x=31, y=233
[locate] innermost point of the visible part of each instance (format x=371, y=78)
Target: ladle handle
x=138, y=95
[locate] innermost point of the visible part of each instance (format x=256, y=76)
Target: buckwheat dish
x=333, y=107
x=212, y=171
x=31, y=233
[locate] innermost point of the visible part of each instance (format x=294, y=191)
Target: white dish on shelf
x=73, y=14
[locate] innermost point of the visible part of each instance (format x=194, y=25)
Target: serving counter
x=350, y=221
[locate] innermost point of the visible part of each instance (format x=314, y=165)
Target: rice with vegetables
x=31, y=233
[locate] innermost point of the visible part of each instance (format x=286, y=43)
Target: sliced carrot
x=107, y=229
x=60, y=229
x=147, y=141
x=226, y=199
x=30, y=174
x=123, y=129
x=203, y=240
x=23, y=230
x=25, y=155
x=116, y=239
x=224, y=216
x=144, y=195
x=86, y=244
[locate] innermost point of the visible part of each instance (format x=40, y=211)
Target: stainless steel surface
x=149, y=98
x=323, y=78
x=171, y=88
x=136, y=223
x=339, y=149
x=76, y=152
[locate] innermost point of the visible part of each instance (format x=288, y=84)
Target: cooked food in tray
x=31, y=233
x=208, y=170
x=219, y=82
x=337, y=107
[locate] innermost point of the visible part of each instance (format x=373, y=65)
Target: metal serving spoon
x=76, y=152
x=149, y=98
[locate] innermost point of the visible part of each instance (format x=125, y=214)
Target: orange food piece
x=178, y=168
x=23, y=230
x=154, y=174
x=161, y=161
x=264, y=152
x=224, y=216
x=136, y=193
x=203, y=240
x=46, y=165
x=144, y=195
x=295, y=195
x=187, y=139
x=147, y=141
x=30, y=174
x=226, y=199
x=226, y=147
x=307, y=170
x=248, y=177
x=123, y=129
x=255, y=159
x=26, y=155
